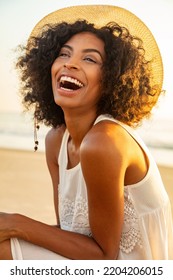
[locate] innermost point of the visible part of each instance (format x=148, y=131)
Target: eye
x=89, y=59
x=63, y=54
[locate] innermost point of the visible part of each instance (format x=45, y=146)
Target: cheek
x=54, y=71
x=98, y=79
x=53, y=68
x=95, y=75
x=53, y=77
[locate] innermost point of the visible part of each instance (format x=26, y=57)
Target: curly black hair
x=127, y=91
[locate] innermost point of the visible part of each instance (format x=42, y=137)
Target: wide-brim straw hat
x=100, y=15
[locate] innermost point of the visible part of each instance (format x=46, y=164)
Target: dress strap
x=62, y=158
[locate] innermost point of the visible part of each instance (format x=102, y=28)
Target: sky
x=18, y=18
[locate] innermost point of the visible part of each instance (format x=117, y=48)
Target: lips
x=69, y=83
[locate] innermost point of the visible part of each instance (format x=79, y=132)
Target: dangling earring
x=36, y=128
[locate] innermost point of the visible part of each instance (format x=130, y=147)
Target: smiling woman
x=77, y=72
x=92, y=80
x=90, y=57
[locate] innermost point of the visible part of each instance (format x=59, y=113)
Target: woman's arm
x=52, y=144
x=68, y=244
x=104, y=161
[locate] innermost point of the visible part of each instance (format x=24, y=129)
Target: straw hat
x=100, y=15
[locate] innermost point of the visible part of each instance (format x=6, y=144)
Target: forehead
x=87, y=40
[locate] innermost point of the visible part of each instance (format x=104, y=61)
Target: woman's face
x=77, y=72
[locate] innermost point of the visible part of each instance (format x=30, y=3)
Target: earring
x=36, y=128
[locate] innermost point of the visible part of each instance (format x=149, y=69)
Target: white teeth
x=71, y=80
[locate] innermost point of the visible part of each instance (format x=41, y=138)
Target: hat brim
x=100, y=15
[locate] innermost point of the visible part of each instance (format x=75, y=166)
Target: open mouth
x=70, y=84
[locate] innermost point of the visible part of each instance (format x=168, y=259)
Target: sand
x=25, y=185
x=26, y=188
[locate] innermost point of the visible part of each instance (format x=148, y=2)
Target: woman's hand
x=6, y=226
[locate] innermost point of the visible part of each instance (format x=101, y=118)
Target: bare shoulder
x=53, y=141
x=55, y=134
x=106, y=136
x=104, y=145
x=109, y=143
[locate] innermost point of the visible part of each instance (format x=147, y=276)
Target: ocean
x=16, y=132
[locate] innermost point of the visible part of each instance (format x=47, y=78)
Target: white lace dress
x=147, y=231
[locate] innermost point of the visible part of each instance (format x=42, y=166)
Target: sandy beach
x=26, y=188
x=25, y=185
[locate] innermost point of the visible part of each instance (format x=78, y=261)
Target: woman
x=92, y=83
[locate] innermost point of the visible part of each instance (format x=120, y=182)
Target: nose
x=71, y=66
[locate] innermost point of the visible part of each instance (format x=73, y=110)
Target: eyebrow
x=85, y=50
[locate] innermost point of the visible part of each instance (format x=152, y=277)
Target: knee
x=5, y=250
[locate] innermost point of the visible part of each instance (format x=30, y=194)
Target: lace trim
x=130, y=236
x=74, y=215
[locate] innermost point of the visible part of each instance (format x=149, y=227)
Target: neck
x=79, y=125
